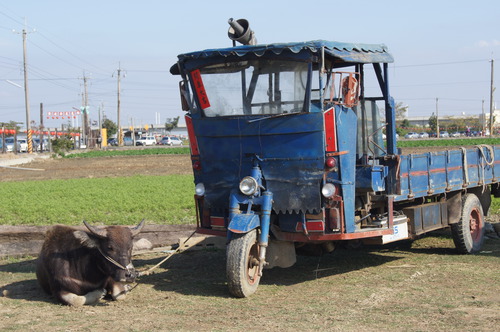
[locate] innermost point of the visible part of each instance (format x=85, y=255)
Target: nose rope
x=112, y=261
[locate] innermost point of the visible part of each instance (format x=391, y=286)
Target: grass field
x=111, y=201
x=131, y=152
x=455, y=142
x=125, y=200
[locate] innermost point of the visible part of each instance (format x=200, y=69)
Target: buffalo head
x=114, y=244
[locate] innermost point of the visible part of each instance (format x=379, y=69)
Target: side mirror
x=184, y=96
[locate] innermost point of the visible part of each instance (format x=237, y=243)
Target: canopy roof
x=347, y=52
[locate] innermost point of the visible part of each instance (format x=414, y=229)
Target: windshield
x=252, y=87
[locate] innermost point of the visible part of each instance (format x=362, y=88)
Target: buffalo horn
x=137, y=229
x=97, y=232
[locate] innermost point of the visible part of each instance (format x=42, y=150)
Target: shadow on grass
x=29, y=289
x=441, y=243
x=202, y=273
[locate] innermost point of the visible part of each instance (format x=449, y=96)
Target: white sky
x=442, y=49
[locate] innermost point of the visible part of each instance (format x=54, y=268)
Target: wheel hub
x=475, y=224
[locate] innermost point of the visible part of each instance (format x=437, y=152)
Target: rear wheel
x=242, y=265
x=468, y=233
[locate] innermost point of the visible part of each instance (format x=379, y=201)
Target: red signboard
x=200, y=89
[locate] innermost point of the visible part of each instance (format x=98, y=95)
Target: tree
x=110, y=127
x=11, y=125
x=405, y=124
x=433, y=122
x=62, y=144
x=171, y=123
x=401, y=111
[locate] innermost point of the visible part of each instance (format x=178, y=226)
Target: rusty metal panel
x=431, y=216
x=414, y=215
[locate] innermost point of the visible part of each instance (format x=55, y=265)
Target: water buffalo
x=79, y=267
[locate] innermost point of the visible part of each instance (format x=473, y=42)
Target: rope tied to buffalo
x=151, y=269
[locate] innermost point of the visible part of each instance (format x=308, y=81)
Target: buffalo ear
x=85, y=239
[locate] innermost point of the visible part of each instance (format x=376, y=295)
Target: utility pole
x=41, y=127
x=484, y=119
x=86, y=109
x=437, y=118
x=26, y=90
x=120, y=136
x=101, y=111
x=492, y=90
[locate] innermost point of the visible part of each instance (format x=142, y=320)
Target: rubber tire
x=242, y=279
x=469, y=241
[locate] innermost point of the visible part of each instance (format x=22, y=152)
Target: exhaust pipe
x=239, y=31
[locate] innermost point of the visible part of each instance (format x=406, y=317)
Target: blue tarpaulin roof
x=347, y=52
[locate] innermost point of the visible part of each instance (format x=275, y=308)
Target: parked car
x=444, y=134
x=411, y=135
x=35, y=144
x=40, y=147
x=170, y=140
x=112, y=142
x=127, y=141
x=22, y=145
x=9, y=144
x=147, y=140
x=455, y=134
x=423, y=135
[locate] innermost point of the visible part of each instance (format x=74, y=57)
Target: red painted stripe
x=330, y=134
x=312, y=226
x=193, y=142
x=435, y=170
x=217, y=221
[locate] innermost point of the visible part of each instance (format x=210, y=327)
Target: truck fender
x=244, y=223
x=454, y=206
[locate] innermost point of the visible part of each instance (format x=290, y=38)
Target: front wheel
x=468, y=233
x=242, y=264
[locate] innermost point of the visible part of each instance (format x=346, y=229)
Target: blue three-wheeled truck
x=288, y=152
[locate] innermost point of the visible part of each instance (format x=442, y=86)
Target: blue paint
x=347, y=125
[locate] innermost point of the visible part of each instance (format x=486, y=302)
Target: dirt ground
x=425, y=288
x=64, y=168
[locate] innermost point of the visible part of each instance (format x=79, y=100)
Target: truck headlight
x=199, y=189
x=249, y=186
x=328, y=190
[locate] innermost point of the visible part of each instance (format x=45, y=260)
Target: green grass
x=138, y=152
x=448, y=142
x=110, y=201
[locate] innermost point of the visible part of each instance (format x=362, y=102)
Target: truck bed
x=430, y=173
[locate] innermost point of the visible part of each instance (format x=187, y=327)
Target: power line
x=73, y=55
x=53, y=55
x=436, y=84
x=440, y=63
x=10, y=17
